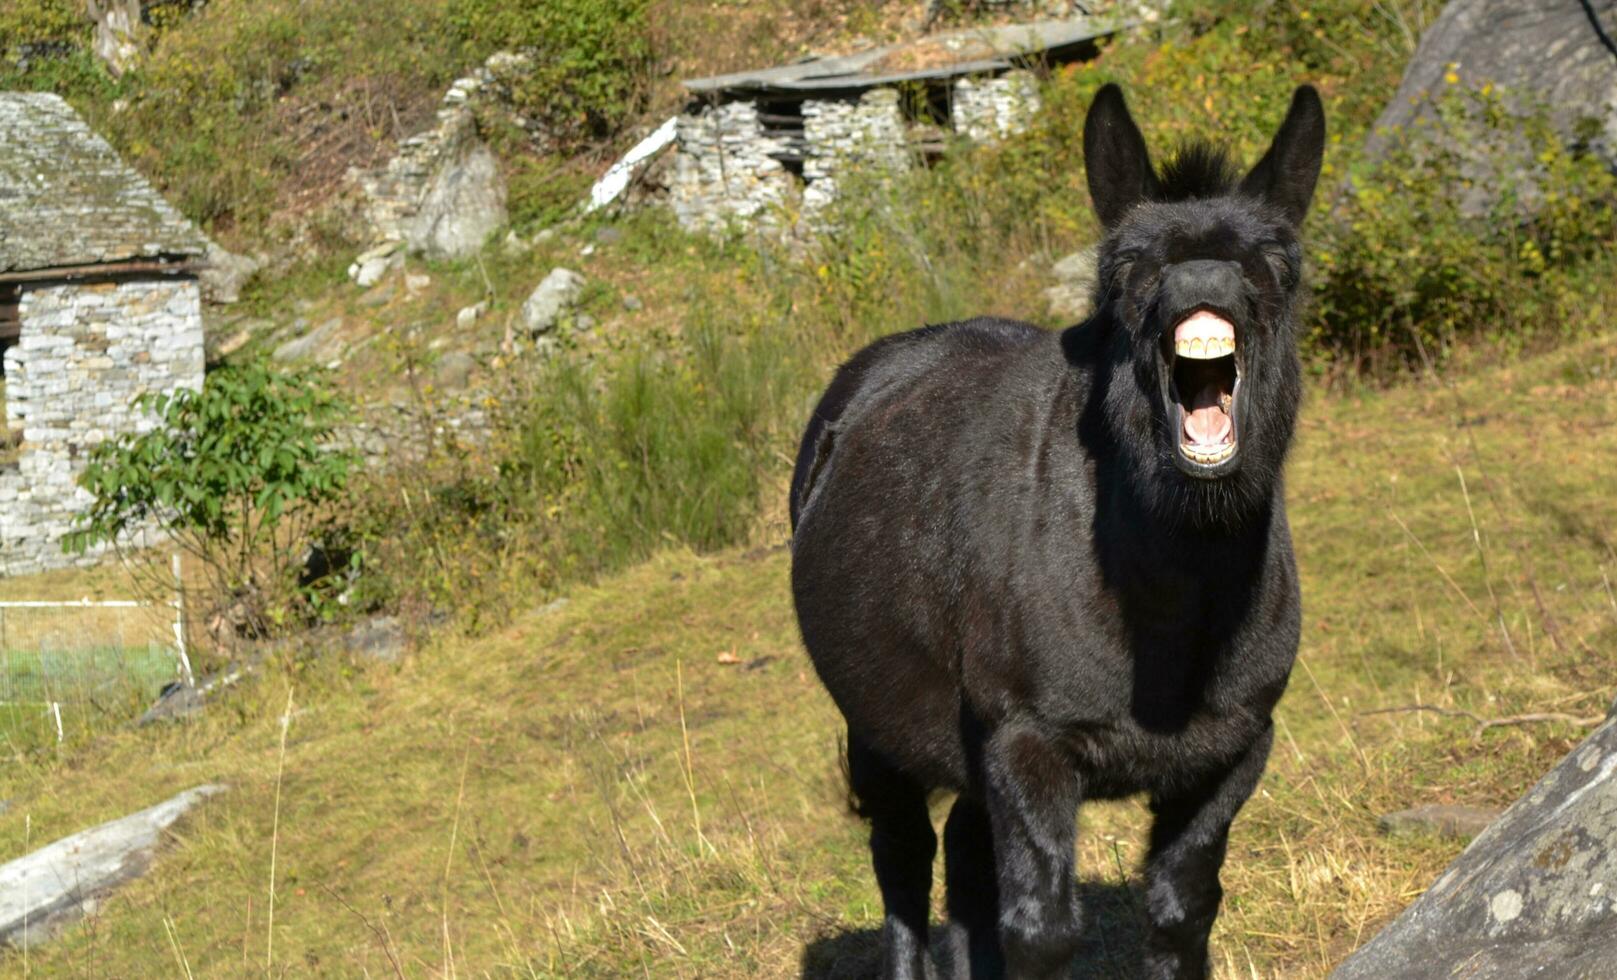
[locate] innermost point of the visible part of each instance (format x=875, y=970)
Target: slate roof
x=66, y=199
x=974, y=51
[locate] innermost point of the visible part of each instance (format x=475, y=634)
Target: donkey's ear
x=1286, y=175
x=1115, y=158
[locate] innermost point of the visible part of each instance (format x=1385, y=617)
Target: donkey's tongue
x=1206, y=423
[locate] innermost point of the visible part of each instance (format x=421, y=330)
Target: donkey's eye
x=1122, y=262
x=1279, y=258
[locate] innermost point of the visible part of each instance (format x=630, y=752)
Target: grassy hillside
x=643, y=779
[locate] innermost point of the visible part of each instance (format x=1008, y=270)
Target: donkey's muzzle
x=1209, y=284
x=1201, y=347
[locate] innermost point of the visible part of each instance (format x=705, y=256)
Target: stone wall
x=864, y=136
x=989, y=109
x=723, y=170
x=442, y=194
x=727, y=165
x=86, y=351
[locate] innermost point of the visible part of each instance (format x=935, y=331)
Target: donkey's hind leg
x=972, y=936
x=902, y=845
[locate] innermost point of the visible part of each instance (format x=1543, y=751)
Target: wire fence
x=72, y=668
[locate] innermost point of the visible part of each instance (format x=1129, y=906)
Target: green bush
x=37, y=22
x=591, y=58
x=235, y=475
x=1412, y=257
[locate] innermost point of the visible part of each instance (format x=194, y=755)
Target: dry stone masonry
x=99, y=304
x=726, y=169
x=442, y=194
x=866, y=136
x=991, y=109
x=766, y=148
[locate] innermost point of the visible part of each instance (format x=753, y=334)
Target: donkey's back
x=893, y=368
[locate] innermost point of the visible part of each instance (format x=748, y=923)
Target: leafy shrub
x=234, y=474
x=41, y=22
x=1478, y=225
x=591, y=58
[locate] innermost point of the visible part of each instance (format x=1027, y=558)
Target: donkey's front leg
x=1187, y=850
x=1033, y=793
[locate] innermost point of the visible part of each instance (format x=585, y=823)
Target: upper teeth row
x=1196, y=347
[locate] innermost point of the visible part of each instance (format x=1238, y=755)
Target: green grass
x=644, y=781
x=92, y=690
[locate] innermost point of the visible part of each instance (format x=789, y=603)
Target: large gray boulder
x=1072, y=298
x=56, y=884
x=225, y=273
x=443, y=193
x=1549, y=50
x=1535, y=895
x=463, y=205
x=551, y=300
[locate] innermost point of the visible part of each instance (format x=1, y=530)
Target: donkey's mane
x=1197, y=169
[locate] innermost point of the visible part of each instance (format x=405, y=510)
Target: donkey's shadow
x=1114, y=933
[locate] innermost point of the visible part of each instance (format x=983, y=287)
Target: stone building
x=767, y=147
x=99, y=303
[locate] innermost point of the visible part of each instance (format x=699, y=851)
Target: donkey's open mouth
x=1205, y=380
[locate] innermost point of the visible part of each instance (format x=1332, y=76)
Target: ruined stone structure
x=443, y=194
x=99, y=303
x=772, y=148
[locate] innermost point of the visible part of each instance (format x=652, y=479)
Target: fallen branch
x=1483, y=724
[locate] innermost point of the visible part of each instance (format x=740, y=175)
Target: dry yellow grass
x=644, y=781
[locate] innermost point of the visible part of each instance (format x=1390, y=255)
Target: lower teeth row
x=1209, y=457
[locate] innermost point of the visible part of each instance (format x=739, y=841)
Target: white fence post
x=179, y=625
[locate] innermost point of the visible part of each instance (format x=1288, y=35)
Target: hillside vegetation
x=644, y=779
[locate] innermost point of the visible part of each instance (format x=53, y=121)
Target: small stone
x=1443, y=819
x=513, y=245
x=416, y=283
x=372, y=264
x=454, y=370
x=609, y=235
x=380, y=296
x=381, y=638
x=551, y=299
x=469, y=315
x=633, y=303
x=583, y=322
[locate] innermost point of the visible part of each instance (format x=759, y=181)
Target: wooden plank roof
x=938, y=56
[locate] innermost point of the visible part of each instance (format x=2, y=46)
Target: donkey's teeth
x=1203, y=336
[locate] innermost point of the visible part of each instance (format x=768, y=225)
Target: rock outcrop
x=225, y=273
x=442, y=194
x=1072, y=298
x=53, y=886
x=1534, y=895
x=1556, y=55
